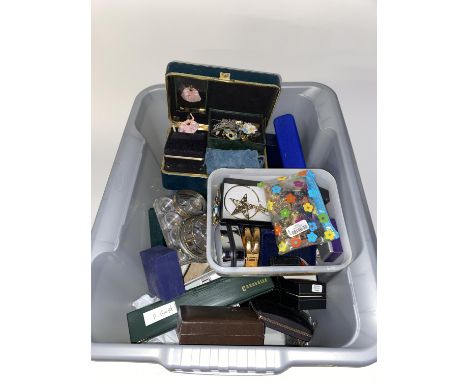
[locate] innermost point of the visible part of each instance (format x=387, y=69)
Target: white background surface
x=45, y=163
x=332, y=42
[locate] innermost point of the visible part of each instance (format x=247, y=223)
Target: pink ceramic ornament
x=190, y=94
x=188, y=126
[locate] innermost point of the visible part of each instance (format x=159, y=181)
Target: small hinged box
x=219, y=325
x=231, y=109
x=302, y=294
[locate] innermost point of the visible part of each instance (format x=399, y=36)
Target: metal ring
x=199, y=201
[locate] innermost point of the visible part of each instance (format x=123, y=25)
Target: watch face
x=244, y=203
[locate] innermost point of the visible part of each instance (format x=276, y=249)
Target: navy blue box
x=163, y=273
x=289, y=142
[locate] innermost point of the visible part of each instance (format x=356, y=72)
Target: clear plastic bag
x=299, y=216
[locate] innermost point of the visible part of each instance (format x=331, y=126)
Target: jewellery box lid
x=196, y=89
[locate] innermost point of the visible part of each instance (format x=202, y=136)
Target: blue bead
x=276, y=189
x=312, y=237
x=312, y=226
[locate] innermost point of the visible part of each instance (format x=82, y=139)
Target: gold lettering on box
x=253, y=284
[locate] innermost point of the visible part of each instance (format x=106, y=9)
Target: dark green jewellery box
x=213, y=107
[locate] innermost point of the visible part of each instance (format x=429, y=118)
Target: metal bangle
x=188, y=194
x=192, y=245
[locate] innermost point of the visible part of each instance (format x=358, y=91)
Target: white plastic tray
x=323, y=178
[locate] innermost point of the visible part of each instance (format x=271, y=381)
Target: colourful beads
x=282, y=247
x=277, y=229
x=285, y=213
x=276, y=189
x=293, y=201
x=298, y=184
x=323, y=218
x=295, y=242
x=329, y=234
x=312, y=226
x=308, y=207
x=290, y=198
x=270, y=205
x=312, y=237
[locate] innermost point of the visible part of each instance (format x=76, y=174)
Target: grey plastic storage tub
x=346, y=333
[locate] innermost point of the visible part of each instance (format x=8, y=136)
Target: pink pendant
x=188, y=126
x=190, y=94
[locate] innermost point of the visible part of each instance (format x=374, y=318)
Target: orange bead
x=295, y=242
x=290, y=198
x=277, y=230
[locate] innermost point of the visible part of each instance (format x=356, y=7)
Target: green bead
x=285, y=213
x=323, y=218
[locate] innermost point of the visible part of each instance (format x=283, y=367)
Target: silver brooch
x=233, y=129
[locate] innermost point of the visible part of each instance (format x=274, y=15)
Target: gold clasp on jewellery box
x=224, y=76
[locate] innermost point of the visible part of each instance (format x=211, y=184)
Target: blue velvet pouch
x=163, y=273
x=216, y=158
